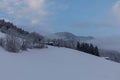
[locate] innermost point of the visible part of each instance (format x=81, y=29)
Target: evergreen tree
x=88, y=48
x=91, y=49
x=78, y=46
x=96, y=51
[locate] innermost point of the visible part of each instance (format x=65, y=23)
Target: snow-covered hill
x=67, y=36
x=56, y=64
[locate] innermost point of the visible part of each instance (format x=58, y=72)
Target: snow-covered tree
x=12, y=44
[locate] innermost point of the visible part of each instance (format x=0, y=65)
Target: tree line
x=88, y=48
x=84, y=47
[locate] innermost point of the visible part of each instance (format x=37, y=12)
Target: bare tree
x=12, y=44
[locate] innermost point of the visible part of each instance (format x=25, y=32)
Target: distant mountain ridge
x=67, y=36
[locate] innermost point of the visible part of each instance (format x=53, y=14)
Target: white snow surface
x=2, y=35
x=56, y=64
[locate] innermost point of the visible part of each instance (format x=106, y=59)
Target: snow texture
x=56, y=64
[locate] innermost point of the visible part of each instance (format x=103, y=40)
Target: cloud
x=116, y=9
x=29, y=11
x=32, y=15
x=35, y=4
x=37, y=13
x=87, y=24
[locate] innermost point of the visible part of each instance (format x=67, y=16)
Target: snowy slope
x=56, y=64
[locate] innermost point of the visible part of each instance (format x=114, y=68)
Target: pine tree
x=78, y=46
x=86, y=47
x=91, y=49
x=97, y=51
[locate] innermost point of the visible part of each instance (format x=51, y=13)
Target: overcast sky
x=81, y=17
